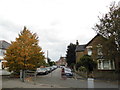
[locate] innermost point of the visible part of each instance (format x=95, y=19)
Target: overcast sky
x=57, y=22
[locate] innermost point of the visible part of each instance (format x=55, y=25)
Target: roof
x=94, y=38
x=4, y=44
x=80, y=48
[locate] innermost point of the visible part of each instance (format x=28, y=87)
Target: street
x=54, y=80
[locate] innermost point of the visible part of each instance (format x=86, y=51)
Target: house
x=94, y=49
x=61, y=61
x=105, y=68
x=79, y=52
x=3, y=46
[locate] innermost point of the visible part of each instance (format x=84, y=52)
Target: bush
x=87, y=62
x=82, y=69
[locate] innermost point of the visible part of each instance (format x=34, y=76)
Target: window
x=106, y=64
x=99, y=64
x=89, y=51
x=113, y=64
x=99, y=50
x=2, y=52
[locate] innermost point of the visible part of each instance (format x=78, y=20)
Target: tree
x=48, y=60
x=51, y=63
x=87, y=62
x=109, y=27
x=24, y=53
x=71, y=55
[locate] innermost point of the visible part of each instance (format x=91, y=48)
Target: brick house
x=105, y=68
x=79, y=52
x=61, y=61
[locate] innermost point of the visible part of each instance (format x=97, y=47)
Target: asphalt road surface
x=55, y=79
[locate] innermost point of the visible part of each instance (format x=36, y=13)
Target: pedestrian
x=63, y=71
x=63, y=76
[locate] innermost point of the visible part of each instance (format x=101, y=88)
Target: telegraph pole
x=47, y=55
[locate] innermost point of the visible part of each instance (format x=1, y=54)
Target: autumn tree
x=24, y=53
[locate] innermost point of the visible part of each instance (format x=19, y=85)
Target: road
x=54, y=80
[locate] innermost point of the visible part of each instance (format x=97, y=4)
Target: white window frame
x=89, y=50
x=2, y=52
x=106, y=64
x=101, y=64
x=99, y=49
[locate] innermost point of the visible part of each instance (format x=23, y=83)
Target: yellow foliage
x=24, y=52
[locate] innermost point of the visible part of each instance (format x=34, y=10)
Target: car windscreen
x=67, y=70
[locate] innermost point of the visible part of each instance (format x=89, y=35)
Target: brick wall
x=79, y=55
x=106, y=74
x=94, y=42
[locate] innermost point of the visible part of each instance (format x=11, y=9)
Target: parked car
x=62, y=66
x=49, y=69
x=41, y=71
x=68, y=72
x=54, y=67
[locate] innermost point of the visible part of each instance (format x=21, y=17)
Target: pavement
x=17, y=83
x=76, y=76
x=7, y=82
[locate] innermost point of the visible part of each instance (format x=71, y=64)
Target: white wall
x=2, y=57
x=0, y=65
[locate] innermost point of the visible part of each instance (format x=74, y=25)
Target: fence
x=28, y=76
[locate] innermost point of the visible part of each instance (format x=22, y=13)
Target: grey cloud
x=9, y=26
x=56, y=50
x=49, y=38
x=8, y=30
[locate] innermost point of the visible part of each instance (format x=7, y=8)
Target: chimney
x=77, y=43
